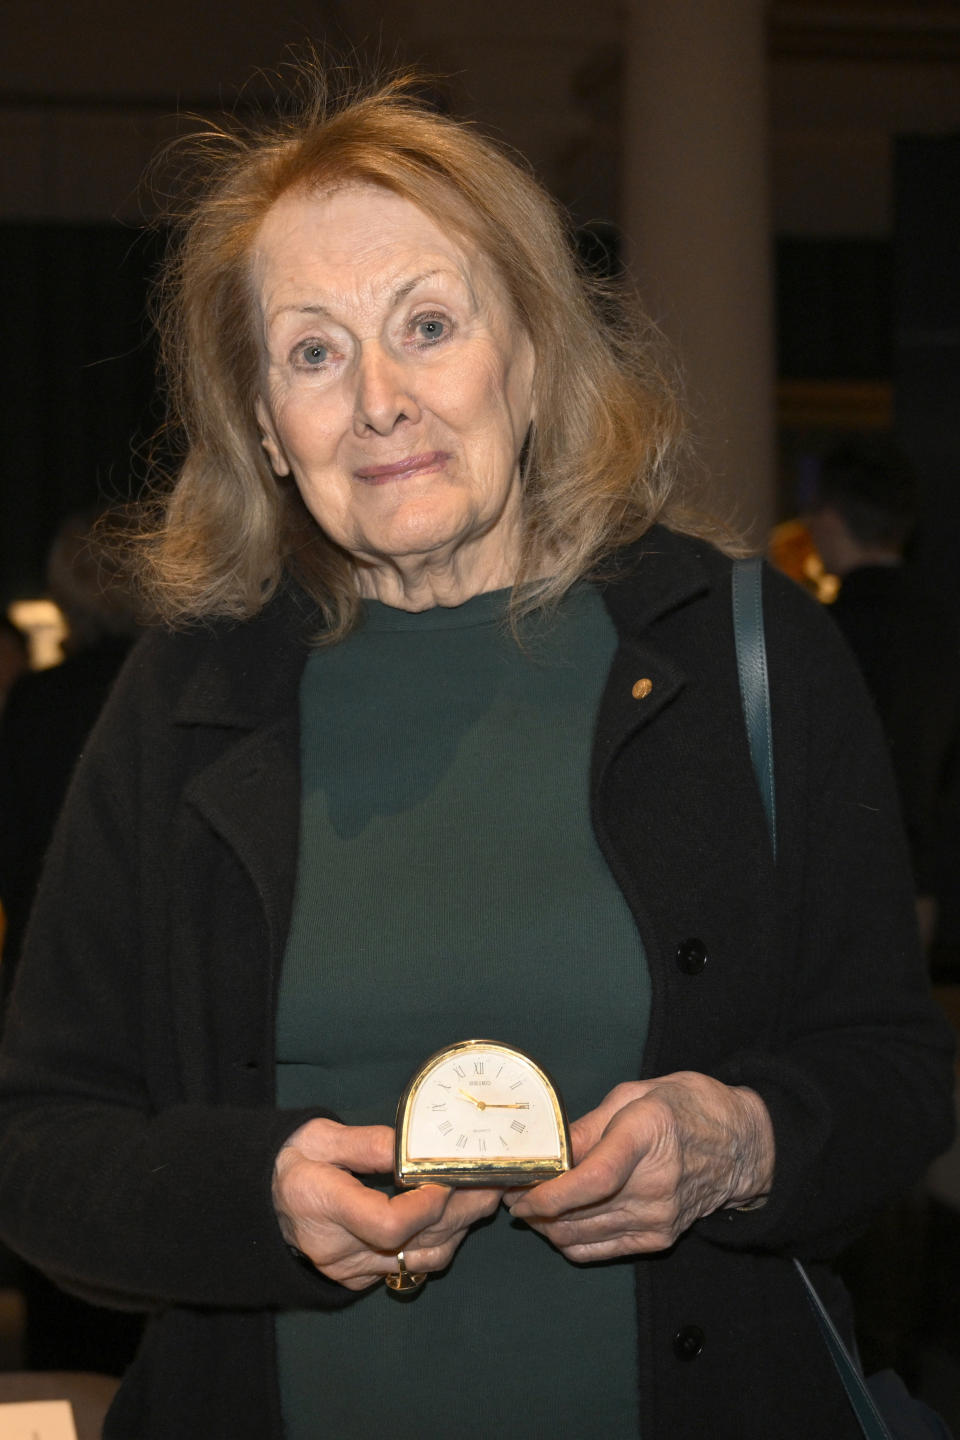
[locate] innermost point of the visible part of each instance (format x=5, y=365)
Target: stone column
x=695, y=216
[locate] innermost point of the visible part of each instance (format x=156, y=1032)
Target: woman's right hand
x=351, y=1232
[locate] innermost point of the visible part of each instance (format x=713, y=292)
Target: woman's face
x=397, y=391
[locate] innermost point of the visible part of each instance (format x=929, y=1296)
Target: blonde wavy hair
x=600, y=466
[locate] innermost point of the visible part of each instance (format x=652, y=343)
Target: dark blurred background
x=842, y=116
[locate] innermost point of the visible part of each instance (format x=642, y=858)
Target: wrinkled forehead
x=336, y=234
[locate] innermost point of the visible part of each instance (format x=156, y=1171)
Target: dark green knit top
x=449, y=886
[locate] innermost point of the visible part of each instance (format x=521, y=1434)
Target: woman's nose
x=384, y=393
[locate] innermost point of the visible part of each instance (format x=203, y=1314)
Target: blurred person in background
x=908, y=648
x=42, y=733
x=50, y=713
x=906, y=643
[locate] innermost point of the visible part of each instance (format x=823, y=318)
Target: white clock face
x=483, y=1104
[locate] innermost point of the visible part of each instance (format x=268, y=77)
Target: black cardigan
x=136, y=1117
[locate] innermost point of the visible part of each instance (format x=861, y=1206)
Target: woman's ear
x=270, y=440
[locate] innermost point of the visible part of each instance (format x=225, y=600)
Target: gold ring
x=402, y=1281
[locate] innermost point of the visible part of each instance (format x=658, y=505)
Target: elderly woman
x=456, y=750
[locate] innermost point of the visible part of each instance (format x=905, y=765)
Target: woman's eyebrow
x=408, y=286
x=298, y=310
x=458, y=276
x=405, y=288
x=400, y=294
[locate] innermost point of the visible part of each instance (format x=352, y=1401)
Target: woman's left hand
x=652, y=1158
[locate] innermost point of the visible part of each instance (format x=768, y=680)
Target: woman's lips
x=413, y=465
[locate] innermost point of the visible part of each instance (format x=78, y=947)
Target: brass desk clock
x=480, y=1113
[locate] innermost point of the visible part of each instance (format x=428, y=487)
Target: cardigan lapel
x=251, y=675
x=243, y=699
x=250, y=797
x=651, y=580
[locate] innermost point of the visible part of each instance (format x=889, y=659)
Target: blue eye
x=314, y=354
x=431, y=328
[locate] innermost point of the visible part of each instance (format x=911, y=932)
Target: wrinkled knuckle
x=662, y=1110
x=663, y=1217
x=665, y=1234
x=292, y=1193
x=649, y=1243
x=660, y=1193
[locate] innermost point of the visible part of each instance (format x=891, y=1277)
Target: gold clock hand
x=480, y=1104
x=513, y=1105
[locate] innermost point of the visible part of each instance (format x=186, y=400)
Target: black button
x=688, y=1342
x=691, y=956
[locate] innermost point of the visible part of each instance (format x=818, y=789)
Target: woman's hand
x=352, y=1232
x=653, y=1157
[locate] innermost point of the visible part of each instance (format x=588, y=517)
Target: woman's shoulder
x=785, y=601
x=219, y=667
x=677, y=566
x=686, y=581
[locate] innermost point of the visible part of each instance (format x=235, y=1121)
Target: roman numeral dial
x=480, y=1112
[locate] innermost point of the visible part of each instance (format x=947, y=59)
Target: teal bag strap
x=864, y=1407
x=754, y=682
x=755, y=696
